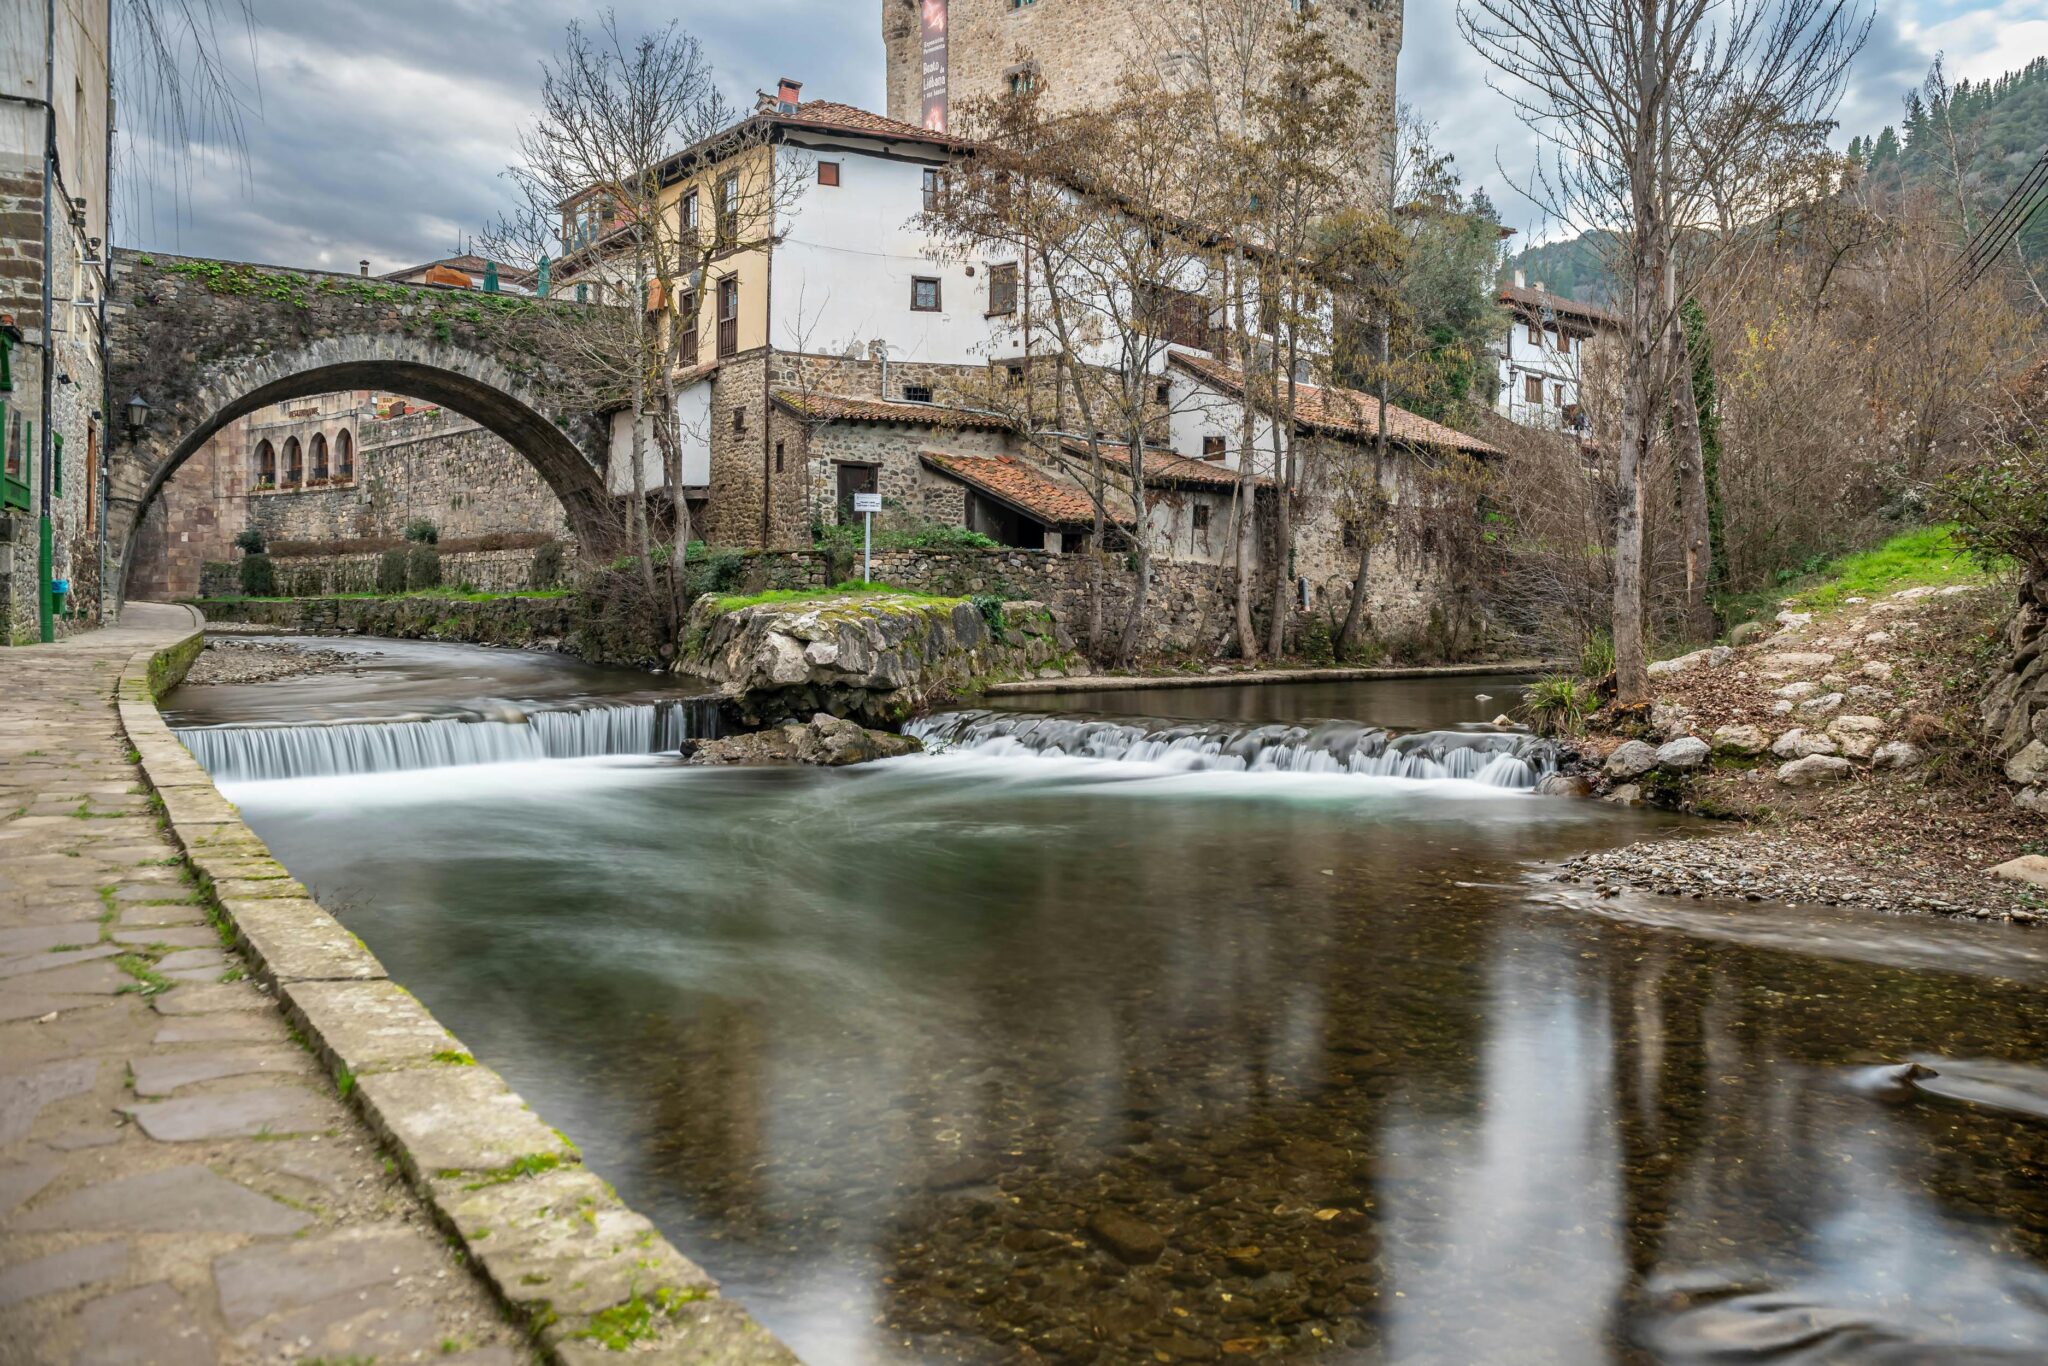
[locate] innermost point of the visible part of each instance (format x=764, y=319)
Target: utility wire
x=1997, y=234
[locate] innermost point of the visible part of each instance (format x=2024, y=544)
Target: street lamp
x=138, y=416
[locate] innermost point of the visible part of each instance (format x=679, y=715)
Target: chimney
x=788, y=94
x=363, y=267
x=1539, y=287
x=1521, y=279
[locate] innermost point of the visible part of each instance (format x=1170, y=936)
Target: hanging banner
x=932, y=30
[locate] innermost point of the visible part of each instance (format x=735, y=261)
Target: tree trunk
x=1368, y=529
x=1134, y=620
x=1283, y=515
x=1247, y=486
x=1631, y=662
x=1691, y=467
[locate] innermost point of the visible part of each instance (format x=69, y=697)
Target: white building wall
x=842, y=276
x=1519, y=358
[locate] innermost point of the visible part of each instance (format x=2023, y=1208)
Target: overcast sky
x=378, y=128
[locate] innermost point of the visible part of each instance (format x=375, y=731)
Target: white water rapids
x=262, y=753
x=1495, y=758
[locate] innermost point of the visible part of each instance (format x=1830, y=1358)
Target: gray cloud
x=383, y=125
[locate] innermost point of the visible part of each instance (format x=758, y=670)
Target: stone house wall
x=1077, y=50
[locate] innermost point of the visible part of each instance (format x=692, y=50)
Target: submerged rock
x=1565, y=785
x=1128, y=1239
x=823, y=741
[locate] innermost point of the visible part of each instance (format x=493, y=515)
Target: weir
x=263, y=753
x=1495, y=758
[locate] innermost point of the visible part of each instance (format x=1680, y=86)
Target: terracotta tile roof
x=847, y=408
x=1535, y=301
x=1019, y=484
x=1341, y=412
x=831, y=114
x=1166, y=469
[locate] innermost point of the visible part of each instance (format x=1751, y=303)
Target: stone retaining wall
x=2015, y=709
x=549, y=1236
x=312, y=576
x=554, y=624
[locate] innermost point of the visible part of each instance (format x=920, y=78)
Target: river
x=1226, y=1042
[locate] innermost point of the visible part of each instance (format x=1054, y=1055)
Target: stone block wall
x=312, y=576
x=1077, y=50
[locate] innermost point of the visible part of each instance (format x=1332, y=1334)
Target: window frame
x=937, y=304
x=828, y=174
x=1532, y=389
x=728, y=323
x=1003, y=280
x=1215, y=448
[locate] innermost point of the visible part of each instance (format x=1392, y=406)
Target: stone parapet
x=566, y=1256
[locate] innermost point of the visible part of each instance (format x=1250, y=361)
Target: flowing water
x=1007, y=1054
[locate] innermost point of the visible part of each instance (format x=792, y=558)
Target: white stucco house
x=1541, y=359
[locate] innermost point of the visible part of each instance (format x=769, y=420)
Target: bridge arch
x=202, y=359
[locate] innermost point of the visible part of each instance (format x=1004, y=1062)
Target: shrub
x=250, y=540
x=420, y=531
x=2001, y=509
x=259, y=577
x=545, y=571
x=1596, y=656
x=1558, y=705
x=991, y=608
x=935, y=536
x=1318, y=644
x=391, y=572
x=723, y=570
x=422, y=568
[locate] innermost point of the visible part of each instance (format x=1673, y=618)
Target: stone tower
x=947, y=52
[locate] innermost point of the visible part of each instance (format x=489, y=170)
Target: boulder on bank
x=823, y=741
x=875, y=657
x=1814, y=770
x=1683, y=755
x=1743, y=741
x=1632, y=760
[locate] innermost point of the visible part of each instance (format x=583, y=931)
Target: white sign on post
x=867, y=505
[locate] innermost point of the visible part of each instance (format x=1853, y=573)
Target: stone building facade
x=339, y=475
x=53, y=400
x=1076, y=50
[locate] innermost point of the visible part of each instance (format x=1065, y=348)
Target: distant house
x=466, y=271
x=1542, y=358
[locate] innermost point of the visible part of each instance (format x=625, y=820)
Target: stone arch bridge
x=205, y=342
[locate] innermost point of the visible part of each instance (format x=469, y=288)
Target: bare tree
x=1646, y=104
x=641, y=173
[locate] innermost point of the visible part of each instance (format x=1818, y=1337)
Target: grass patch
x=533, y=1164
x=1925, y=557
x=847, y=589
x=148, y=981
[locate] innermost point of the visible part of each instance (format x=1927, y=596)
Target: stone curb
x=589, y=1278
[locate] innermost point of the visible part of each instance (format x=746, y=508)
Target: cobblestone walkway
x=179, y=1183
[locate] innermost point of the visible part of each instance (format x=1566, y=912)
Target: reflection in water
x=948, y=1057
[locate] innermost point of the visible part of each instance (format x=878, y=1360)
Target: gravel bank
x=1758, y=867
x=250, y=661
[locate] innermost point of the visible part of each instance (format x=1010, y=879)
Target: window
x=728, y=209
x=924, y=294
x=1557, y=394
x=739, y=419
x=1016, y=375
x=1020, y=4
x=1213, y=448
x=1564, y=342
x=828, y=173
x=854, y=479
x=57, y=465
x=294, y=461
x=1021, y=81
x=266, y=465
x=931, y=189
x=1181, y=317
x=1535, y=333
x=1002, y=290
x=689, y=211
x=728, y=317
x=320, y=456
x=1201, y=520
x=778, y=457
x=1162, y=394
x=917, y=393
x=1532, y=388
x=344, y=454
x=686, y=319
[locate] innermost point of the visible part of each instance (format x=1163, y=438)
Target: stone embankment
x=1826, y=726
x=250, y=661
x=2015, y=709
x=873, y=658
x=225, y=1135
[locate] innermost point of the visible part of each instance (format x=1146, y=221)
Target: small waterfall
x=258, y=753
x=1496, y=758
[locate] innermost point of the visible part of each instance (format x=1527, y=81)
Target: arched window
x=266, y=465
x=294, y=463
x=344, y=455
x=319, y=445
